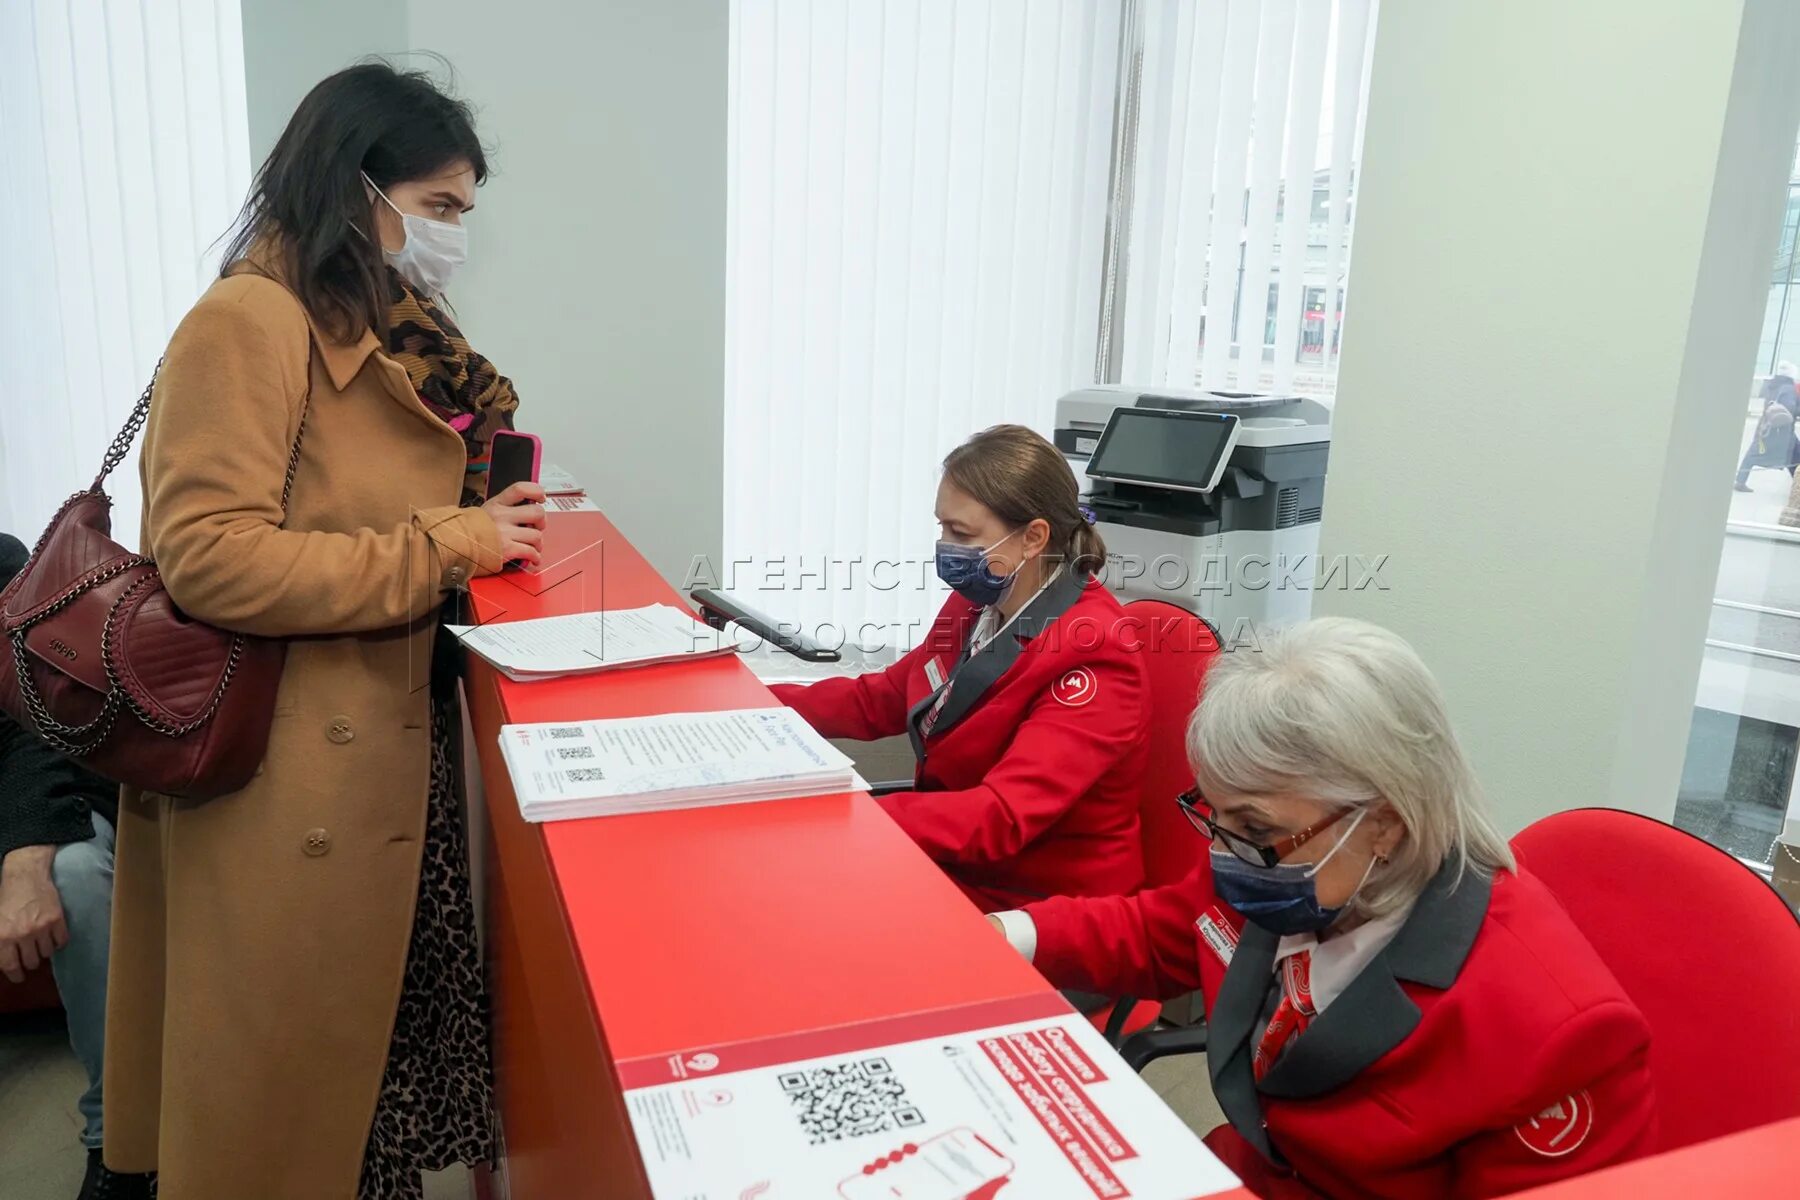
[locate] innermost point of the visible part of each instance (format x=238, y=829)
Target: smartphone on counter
x=513, y=458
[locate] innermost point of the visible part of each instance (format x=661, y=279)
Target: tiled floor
x=1184, y=1087
x=41, y=1157
x=40, y=1154
x=40, y=1149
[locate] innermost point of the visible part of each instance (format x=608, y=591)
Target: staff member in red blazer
x=1394, y=1009
x=1025, y=700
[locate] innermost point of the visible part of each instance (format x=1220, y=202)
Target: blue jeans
x=83, y=874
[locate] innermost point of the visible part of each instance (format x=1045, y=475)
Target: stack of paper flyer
x=677, y=760
x=556, y=481
x=594, y=641
x=559, y=502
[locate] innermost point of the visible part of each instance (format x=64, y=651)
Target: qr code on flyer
x=849, y=1099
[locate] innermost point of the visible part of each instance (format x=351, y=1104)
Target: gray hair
x=1345, y=713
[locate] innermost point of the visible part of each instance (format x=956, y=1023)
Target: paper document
x=1039, y=1110
x=555, y=480
x=593, y=641
x=569, y=502
x=674, y=760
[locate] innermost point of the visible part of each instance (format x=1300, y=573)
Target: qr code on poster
x=850, y=1099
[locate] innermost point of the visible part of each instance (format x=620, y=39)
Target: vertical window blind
x=1249, y=132
x=126, y=154
x=915, y=211
x=918, y=215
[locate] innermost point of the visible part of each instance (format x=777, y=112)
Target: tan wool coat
x=259, y=939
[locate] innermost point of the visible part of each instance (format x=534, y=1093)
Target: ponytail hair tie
x=1087, y=514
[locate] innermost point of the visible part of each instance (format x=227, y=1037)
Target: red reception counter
x=753, y=934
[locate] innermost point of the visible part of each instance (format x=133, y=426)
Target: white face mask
x=433, y=249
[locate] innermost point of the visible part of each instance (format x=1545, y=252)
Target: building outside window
x=1740, y=788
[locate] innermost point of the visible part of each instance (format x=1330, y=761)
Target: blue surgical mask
x=966, y=570
x=1283, y=898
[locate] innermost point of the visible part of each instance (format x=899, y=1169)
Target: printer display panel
x=1183, y=450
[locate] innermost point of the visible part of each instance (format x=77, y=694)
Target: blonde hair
x=1020, y=477
x=1346, y=713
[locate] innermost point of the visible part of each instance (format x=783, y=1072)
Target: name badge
x=934, y=674
x=1218, y=935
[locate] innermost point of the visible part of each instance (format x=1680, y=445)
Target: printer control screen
x=1184, y=450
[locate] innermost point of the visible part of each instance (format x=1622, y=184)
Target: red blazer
x=1486, y=1049
x=1028, y=778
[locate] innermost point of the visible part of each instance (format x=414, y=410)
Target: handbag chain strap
x=76, y=740
x=140, y=413
x=80, y=740
x=121, y=444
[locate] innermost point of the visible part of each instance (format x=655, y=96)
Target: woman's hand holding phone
x=518, y=512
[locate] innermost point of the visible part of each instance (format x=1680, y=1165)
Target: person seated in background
x=1025, y=707
x=1394, y=1008
x=56, y=872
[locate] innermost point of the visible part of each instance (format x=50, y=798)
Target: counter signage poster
x=1039, y=1110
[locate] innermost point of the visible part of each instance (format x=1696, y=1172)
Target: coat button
x=455, y=577
x=316, y=842
x=340, y=731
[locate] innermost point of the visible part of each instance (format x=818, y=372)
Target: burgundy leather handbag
x=103, y=666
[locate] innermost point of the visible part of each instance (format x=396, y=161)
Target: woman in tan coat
x=296, y=1005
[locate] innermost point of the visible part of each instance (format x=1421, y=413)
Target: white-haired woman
x=1394, y=1008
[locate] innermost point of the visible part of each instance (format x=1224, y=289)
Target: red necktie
x=1292, y=1015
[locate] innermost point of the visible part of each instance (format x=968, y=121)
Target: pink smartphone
x=513, y=458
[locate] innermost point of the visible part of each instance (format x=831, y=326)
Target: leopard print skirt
x=436, y=1102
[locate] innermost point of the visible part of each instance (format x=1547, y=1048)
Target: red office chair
x=1178, y=647
x=1706, y=950
x=37, y=992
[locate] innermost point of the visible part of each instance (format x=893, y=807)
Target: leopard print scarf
x=458, y=386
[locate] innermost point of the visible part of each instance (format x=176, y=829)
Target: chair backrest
x=1707, y=950
x=1177, y=647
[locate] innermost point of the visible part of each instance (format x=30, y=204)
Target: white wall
x=1566, y=215
x=596, y=277
x=597, y=272
x=289, y=45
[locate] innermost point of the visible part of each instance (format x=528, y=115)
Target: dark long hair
x=308, y=197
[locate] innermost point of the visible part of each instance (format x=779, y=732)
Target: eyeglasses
x=1200, y=815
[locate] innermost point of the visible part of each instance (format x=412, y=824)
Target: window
x=1739, y=787
x=946, y=215
x=126, y=152
x=915, y=212
x=1211, y=222
x=1781, y=321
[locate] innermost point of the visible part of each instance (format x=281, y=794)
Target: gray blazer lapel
x=979, y=672
x=1374, y=1014
x=913, y=717
x=1370, y=1018
x=917, y=712
x=1231, y=1027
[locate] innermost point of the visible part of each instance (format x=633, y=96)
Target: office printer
x=1209, y=500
